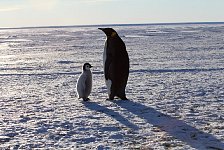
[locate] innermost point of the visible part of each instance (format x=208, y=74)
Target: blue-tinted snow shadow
x=41, y=74
x=176, y=70
x=131, y=71
x=101, y=72
x=111, y=113
x=65, y=62
x=47, y=74
x=173, y=126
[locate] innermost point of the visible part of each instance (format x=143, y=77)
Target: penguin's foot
x=123, y=97
x=87, y=99
x=111, y=97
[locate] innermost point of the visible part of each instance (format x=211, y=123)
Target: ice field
x=175, y=89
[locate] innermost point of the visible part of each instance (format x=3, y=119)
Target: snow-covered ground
x=175, y=87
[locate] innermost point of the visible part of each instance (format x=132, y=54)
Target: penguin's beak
x=90, y=66
x=101, y=29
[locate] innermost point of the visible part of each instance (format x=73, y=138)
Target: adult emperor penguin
x=116, y=64
x=84, y=83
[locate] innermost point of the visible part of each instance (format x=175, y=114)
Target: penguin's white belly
x=108, y=82
x=80, y=86
x=84, y=85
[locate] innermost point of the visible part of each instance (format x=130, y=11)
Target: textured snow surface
x=175, y=89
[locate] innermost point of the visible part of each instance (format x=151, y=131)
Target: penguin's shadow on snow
x=174, y=127
x=111, y=113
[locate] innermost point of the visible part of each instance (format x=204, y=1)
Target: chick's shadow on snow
x=111, y=113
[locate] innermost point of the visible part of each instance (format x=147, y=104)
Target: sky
x=33, y=13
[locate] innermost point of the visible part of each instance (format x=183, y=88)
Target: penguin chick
x=116, y=64
x=84, y=83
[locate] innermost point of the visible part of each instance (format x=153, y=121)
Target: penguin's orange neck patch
x=113, y=34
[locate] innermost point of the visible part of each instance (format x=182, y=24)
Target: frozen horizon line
x=105, y=25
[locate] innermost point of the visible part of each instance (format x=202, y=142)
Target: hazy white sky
x=23, y=13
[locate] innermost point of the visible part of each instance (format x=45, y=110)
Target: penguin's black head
x=109, y=32
x=86, y=66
